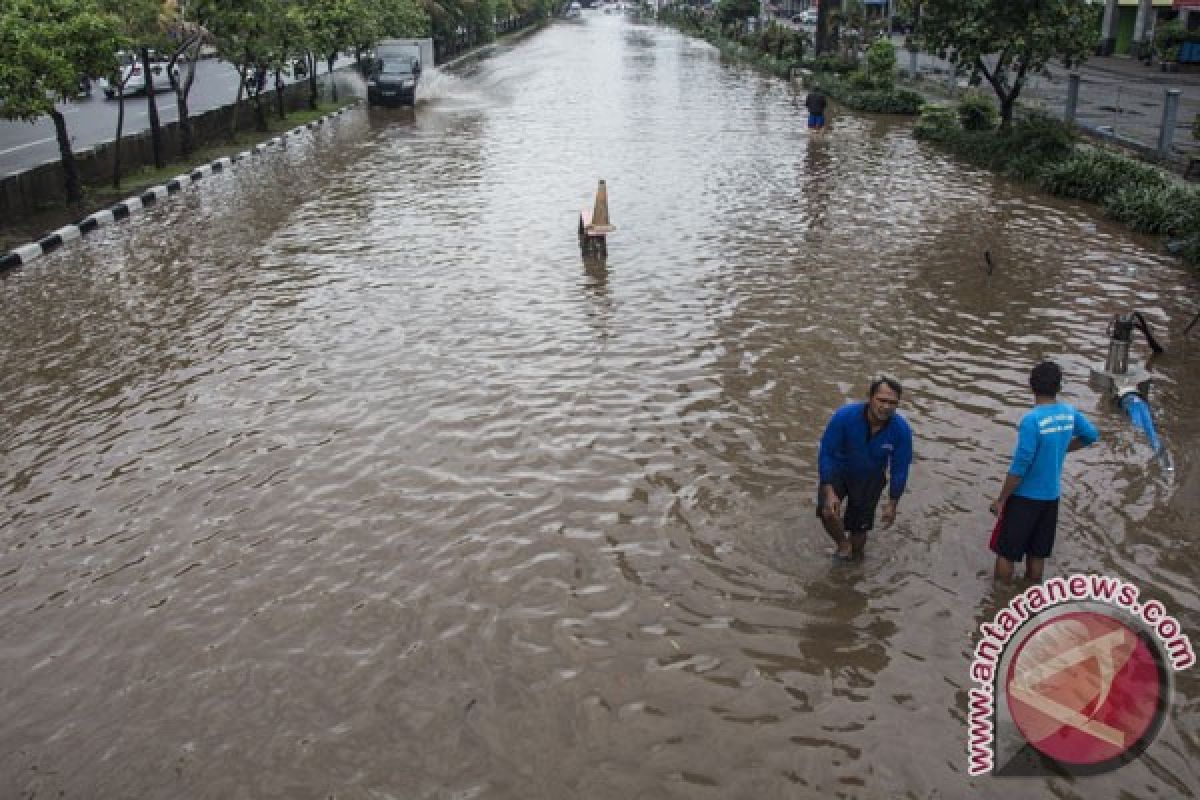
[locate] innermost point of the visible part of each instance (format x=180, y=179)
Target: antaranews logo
x=1073, y=675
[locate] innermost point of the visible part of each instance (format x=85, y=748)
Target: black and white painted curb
x=153, y=195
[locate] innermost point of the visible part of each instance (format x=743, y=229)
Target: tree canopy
x=45, y=46
x=1008, y=40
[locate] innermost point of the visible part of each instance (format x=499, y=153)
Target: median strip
x=126, y=208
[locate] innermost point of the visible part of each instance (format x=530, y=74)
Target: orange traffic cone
x=600, y=224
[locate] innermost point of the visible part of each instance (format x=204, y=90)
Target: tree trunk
x=279, y=87
x=332, y=81
x=310, y=60
x=260, y=114
x=1007, y=104
x=152, y=111
x=237, y=103
x=187, y=133
x=117, y=141
x=70, y=170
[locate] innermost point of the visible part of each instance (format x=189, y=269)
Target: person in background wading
x=815, y=103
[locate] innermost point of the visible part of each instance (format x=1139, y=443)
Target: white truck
x=395, y=70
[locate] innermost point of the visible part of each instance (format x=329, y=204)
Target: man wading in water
x=863, y=446
x=1027, y=507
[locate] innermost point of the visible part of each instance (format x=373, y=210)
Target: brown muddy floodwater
x=342, y=476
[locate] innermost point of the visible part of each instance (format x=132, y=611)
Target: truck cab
x=395, y=71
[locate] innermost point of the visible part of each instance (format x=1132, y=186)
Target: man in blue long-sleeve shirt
x=865, y=447
x=1028, y=501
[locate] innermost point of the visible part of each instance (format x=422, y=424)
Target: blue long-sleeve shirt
x=848, y=448
x=1043, y=437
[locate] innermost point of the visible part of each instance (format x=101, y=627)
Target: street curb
x=152, y=196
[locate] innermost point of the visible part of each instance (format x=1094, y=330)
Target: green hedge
x=1096, y=175
x=1030, y=146
x=876, y=101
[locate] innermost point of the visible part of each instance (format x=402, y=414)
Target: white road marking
x=27, y=144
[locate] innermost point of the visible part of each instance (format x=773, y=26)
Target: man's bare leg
x=833, y=526
x=858, y=542
x=1033, y=569
x=1004, y=569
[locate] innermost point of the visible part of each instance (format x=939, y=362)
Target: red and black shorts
x=1025, y=527
x=861, y=495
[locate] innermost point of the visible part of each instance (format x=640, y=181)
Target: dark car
x=393, y=81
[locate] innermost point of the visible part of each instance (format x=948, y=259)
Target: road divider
x=151, y=196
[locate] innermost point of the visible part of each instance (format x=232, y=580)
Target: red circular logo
x=1084, y=688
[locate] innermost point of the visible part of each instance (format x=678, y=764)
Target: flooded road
x=342, y=476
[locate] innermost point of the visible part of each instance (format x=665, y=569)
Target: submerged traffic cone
x=600, y=223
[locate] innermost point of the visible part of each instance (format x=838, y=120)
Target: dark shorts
x=816, y=121
x=1026, y=527
x=860, y=495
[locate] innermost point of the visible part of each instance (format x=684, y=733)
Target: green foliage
x=730, y=12
x=1196, y=127
x=45, y=45
x=977, y=112
x=827, y=62
x=1026, y=34
x=1035, y=142
x=1096, y=175
x=881, y=64
x=1154, y=208
x=859, y=80
x=855, y=92
x=1027, y=149
x=936, y=123
x=1169, y=37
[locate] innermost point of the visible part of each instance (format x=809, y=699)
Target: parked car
x=131, y=75
x=808, y=17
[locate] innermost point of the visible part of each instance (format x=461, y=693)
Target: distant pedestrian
x=1027, y=507
x=815, y=103
x=865, y=447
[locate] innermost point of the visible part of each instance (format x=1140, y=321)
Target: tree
x=186, y=37
x=245, y=36
x=733, y=12
x=827, y=13
x=45, y=46
x=1008, y=40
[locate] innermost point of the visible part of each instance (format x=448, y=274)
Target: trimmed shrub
x=876, y=101
x=936, y=123
x=1024, y=151
x=1095, y=175
x=859, y=81
x=977, y=112
x=1191, y=250
x=881, y=64
x=1173, y=210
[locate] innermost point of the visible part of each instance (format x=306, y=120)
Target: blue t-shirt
x=847, y=448
x=1042, y=441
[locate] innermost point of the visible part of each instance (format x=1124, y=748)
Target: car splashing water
x=342, y=474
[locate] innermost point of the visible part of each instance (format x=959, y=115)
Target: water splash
x=438, y=85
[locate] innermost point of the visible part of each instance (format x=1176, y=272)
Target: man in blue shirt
x=865, y=447
x=1028, y=503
